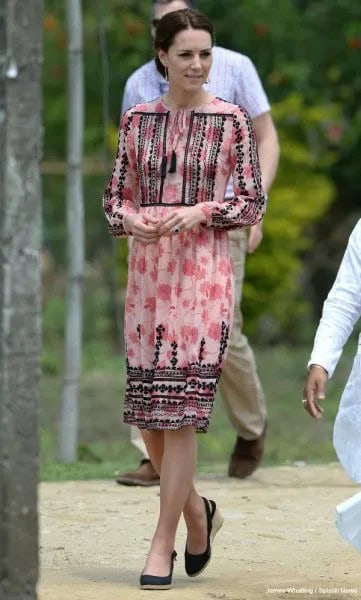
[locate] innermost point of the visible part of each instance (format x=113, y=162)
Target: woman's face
x=189, y=59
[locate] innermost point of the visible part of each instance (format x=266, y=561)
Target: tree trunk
x=20, y=236
x=75, y=235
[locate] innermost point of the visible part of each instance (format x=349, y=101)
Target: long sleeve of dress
x=248, y=205
x=121, y=194
x=341, y=309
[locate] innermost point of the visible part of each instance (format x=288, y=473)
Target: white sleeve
x=249, y=89
x=341, y=309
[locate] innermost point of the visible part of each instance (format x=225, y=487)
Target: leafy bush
x=274, y=302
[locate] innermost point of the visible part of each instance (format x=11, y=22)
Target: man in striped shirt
x=233, y=77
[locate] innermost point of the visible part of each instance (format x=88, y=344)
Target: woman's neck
x=177, y=100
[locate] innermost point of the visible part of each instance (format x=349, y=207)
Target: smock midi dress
x=180, y=297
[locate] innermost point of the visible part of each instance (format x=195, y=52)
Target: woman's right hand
x=314, y=390
x=144, y=228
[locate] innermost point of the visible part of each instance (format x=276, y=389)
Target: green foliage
x=98, y=317
x=120, y=29
x=273, y=298
x=78, y=471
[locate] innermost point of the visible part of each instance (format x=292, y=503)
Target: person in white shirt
x=341, y=311
x=234, y=78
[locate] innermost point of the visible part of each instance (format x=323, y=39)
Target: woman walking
x=175, y=157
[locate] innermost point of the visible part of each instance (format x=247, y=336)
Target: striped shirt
x=233, y=77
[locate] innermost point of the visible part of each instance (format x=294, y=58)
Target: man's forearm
x=268, y=149
x=268, y=158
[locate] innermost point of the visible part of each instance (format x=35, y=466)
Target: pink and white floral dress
x=180, y=296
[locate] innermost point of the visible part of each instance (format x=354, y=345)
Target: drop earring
x=166, y=74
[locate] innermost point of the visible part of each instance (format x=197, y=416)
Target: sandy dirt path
x=278, y=541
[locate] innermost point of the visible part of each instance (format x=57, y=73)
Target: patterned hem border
x=149, y=425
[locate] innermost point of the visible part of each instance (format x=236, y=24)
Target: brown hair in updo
x=173, y=23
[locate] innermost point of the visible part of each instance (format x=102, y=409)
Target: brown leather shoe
x=246, y=456
x=145, y=475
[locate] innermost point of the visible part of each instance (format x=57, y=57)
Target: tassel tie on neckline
x=177, y=129
x=173, y=164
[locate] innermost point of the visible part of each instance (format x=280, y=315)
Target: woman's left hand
x=181, y=219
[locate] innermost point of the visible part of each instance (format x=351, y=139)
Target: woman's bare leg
x=194, y=513
x=176, y=480
x=196, y=522
x=154, y=441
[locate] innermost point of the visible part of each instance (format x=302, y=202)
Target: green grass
x=104, y=445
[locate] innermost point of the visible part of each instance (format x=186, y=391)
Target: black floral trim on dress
x=173, y=397
x=118, y=230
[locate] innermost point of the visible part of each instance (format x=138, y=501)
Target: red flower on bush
x=133, y=26
x=334, y=132
x=50, y=23
x=354, y=43
x=261, y=29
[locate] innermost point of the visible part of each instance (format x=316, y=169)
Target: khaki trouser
x=240, y=387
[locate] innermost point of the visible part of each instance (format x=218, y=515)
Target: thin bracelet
x=318, y=367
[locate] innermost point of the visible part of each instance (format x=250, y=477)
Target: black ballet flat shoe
x=154, y=582
x=195, y=564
